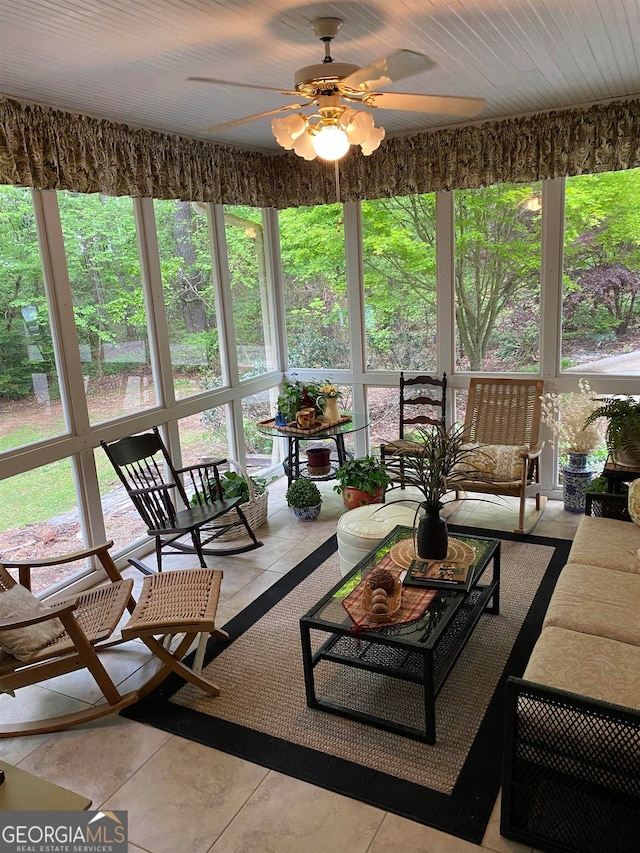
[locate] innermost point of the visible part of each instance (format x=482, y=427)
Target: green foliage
x=236, y=486
x=437, y=456
x=623, y=429
x=294, y=394
x=366, y=474
x=302, y=493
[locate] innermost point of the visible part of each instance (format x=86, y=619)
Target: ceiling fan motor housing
x=322, y=76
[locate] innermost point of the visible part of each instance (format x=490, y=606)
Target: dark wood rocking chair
x=423, y=402
x=142, y=463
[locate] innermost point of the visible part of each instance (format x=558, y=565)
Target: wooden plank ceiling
x=129, y=60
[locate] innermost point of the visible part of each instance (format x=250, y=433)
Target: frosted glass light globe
x=330, y=142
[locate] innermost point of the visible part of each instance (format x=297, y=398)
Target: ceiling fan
x=335, y=89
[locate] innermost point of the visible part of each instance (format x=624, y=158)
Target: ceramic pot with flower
x=328, y=399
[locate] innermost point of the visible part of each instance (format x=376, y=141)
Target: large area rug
x=262, y=716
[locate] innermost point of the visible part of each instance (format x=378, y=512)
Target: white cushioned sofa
x=571, y=777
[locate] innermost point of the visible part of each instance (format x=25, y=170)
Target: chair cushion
x=23, y=643
x=498, y=463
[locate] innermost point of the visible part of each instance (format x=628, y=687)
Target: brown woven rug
x=262, y=714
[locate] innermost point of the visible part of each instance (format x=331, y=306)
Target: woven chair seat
x=175, y=602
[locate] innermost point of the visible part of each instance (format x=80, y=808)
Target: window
x=497, y=278
x=189, y=296
x=248, y=279
x=399, y=243
x=30, y=406
x=104, y=273
x=314, y=277
x=39, y=518
x=601, y=282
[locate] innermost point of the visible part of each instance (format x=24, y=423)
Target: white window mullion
x=66, y=346
x=226, y=330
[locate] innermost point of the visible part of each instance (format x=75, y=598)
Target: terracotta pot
x=318, y=461
x=353, y=497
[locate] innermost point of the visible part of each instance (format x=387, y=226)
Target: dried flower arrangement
x=565, y=415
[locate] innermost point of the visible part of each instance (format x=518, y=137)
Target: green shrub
x=302, y=493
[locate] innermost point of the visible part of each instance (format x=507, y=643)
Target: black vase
x=432, y=536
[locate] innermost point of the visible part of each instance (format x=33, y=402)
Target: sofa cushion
x=597, y=601
x=583, y=663
x=608, y=543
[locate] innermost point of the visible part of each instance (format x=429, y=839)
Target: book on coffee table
x=438, y=574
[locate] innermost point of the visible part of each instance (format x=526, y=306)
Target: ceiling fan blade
x=441, y=104
x=389, y=69
x=242, y=85
x=238, y=121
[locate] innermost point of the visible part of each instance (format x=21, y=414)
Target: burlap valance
x=50, y=149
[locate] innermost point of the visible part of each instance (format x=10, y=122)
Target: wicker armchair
x=35, y=646
x=503, y=418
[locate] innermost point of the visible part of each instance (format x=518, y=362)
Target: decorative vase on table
x=432, y=535
x=576, y=477
x=331, y=413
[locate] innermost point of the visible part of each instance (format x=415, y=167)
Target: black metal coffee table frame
x=425, y=655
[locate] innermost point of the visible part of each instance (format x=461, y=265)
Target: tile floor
x=182, y=797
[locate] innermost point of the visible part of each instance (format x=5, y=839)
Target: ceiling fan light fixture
x=303, y=146
x=330, y=142
x=358, y=125
x=372, y=142
x=287, y=130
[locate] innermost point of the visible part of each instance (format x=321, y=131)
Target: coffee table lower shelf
x=384, y=655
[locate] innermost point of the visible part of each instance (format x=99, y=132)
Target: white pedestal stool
x=361, y=529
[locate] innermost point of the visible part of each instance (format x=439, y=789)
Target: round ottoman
x=361, y=529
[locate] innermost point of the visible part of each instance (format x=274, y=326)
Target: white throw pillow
x=23, y=643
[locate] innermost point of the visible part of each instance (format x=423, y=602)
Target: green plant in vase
x=622, y=434
x=297, y=395
x=431, y=467
x=304, y=497
x=361, y=481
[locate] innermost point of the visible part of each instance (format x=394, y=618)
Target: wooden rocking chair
x=173, y=603
x=142, y=463
x=503, y=418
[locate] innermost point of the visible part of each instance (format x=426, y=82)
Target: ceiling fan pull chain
x=337, y=168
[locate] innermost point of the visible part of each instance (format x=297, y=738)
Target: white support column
x=445, y=292
x=551, y=310
x=355, y=302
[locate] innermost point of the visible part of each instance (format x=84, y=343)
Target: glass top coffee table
x=351, y=671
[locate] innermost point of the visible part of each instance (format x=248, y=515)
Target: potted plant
x=362, y=481
x=431, y=467
x=297, y=395
x=304, y=497
x=623, y=430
